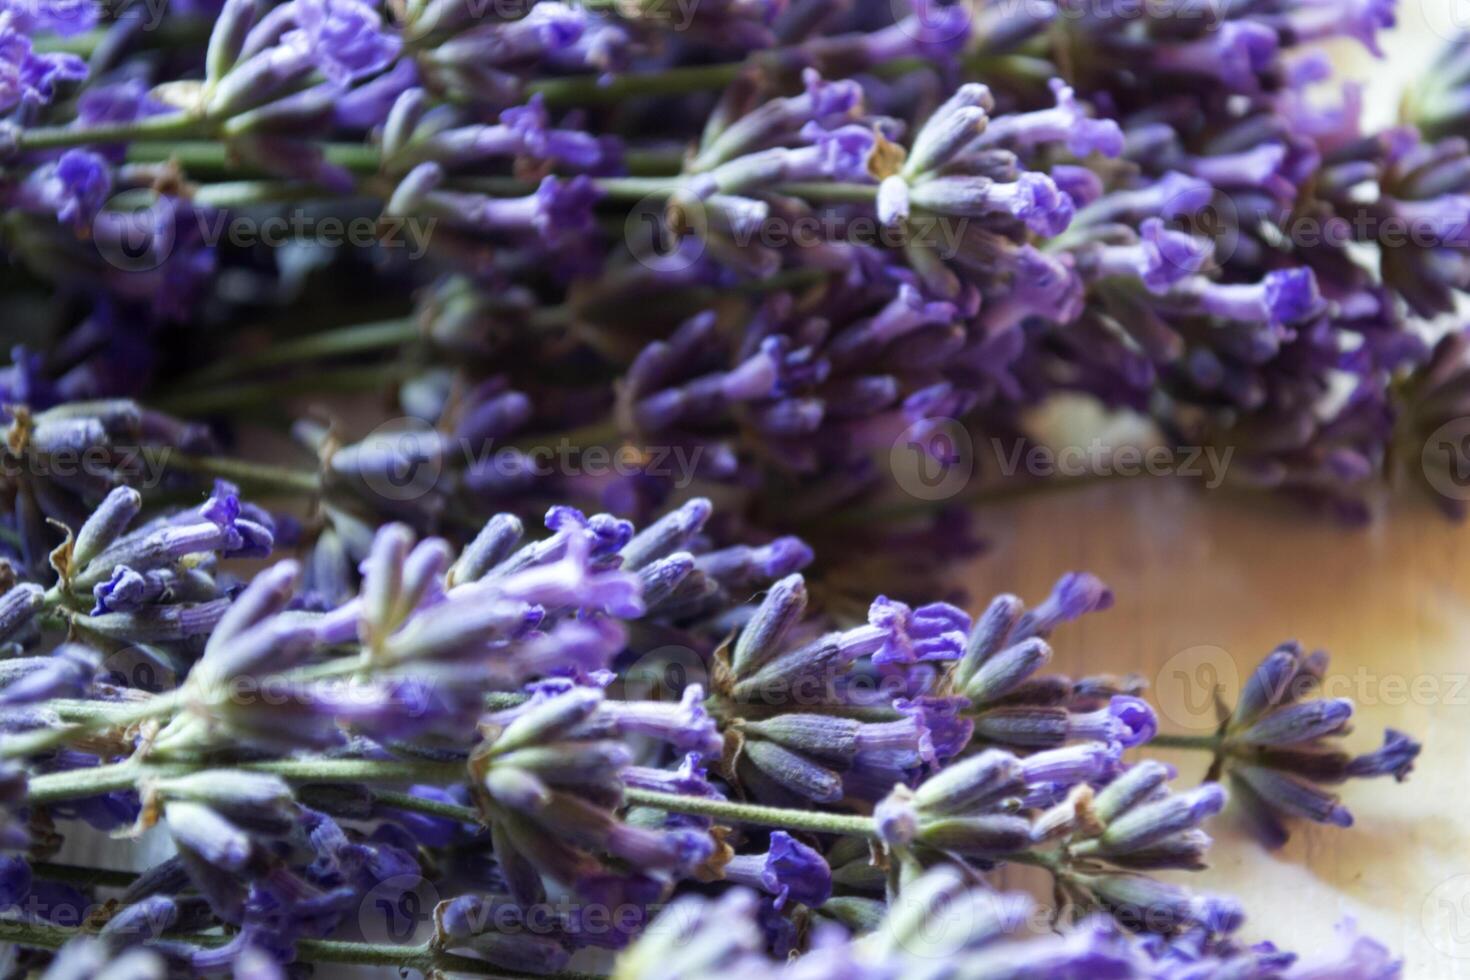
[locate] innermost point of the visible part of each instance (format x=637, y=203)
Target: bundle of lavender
x=626, y=257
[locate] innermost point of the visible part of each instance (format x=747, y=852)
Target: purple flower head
x=124, y=101
x=1075, y=595
x=1171, y=255
x=64, y=17
x=127, y=591
x=532, y=129
x=844, y=153
x=1236, y=54
x=1126, y=720
x=27, y=78
x=937, y=29
x=1362, y=20
x=66, y=673
x=1291, y=295
x=827, y=103
x=947, y=730
x=1395, y=758
x=790, y=870
x=1081, y=184
x=253, y=525
x=933, y=632
x=1354, y=956
x=560, y=211
x=75, y=187
x=557, y=25
x=686, y=725
x=15, y=880
x=345, y=38
x=1035, y=201
x=1066, y=122
x=368, y=105
x=604, y=533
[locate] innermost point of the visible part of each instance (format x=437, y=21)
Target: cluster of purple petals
x=786, y=254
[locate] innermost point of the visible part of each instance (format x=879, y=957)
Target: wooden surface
x=1206, y=585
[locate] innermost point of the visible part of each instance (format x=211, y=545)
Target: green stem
x=74, y=874
x=167, y=33
x=591, y=90
x=243, y=193
x=337, y=342
x=434, y=808
x=29, y=743
x=765, y=816
x=206, y=155
x=425, y=957
x=168, y=127
x=372, y=377
x=1206, y=743
x=833, y=193
x=245, y=472
x=72, y=784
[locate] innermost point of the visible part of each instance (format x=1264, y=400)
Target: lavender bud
x=760, y=640
x=1137, y=783
x=794, y=772
x=66, y=673
x=989, y=636
x=1002, y=673
x=227, y=40
x=789, y=870
x=491, y=546
x=668, y=534
x=105, y=524
x=19, y=606
x=971, y=783
x=1299, y=722
x=1293, y=796
x=1144, y=825
x=987, y=835
x=542, y=721
x=827, y=736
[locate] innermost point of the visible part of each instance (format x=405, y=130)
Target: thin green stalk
x=372, y=377
x=246, y=472
x=173, y=126
x=766, y=816
x=830, y=193
x=243, y=193
x=1206, y=743
x=54, y=787
x=75, y=874
x=207, y=155
x=592, y=90
x=28, y=743
x=170, y=32
x=337, y=342
x=424, y=957
x=434, y=808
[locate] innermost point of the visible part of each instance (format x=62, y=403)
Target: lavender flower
x=1275, y=746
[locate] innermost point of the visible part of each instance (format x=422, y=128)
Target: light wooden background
x=1206, y=585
